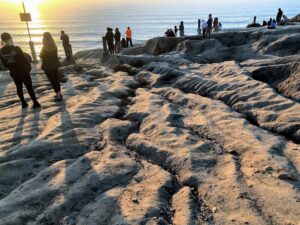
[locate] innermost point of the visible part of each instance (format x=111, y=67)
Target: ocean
x=86, y=27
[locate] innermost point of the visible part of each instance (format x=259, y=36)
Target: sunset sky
x=46, y=6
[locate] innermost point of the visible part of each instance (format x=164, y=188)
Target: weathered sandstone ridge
x=179, y=131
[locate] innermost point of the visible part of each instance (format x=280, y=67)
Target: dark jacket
x=65, y=40
x=13, y=58
x=118, y=36
x=209, y=23
x=110, y=37
x=279, y=14
x=50, y=59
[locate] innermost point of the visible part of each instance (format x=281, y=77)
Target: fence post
x=199, y=27
x=254, y=19
x=104, y=42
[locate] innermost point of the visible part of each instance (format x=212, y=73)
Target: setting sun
x=32, y=6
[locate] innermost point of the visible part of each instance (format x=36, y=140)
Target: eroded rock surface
x=179, y=131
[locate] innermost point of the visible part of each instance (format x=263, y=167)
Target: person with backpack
x=16, y=61
x=50, y=64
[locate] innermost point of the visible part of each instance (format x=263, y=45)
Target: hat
x=5, y=37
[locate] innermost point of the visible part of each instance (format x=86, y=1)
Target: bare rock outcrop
x=179, y=131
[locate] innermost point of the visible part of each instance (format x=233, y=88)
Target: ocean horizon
x=86, y=27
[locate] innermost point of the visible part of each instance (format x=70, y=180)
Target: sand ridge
x=179, y=131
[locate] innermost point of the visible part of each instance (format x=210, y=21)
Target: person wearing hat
x=15, y=60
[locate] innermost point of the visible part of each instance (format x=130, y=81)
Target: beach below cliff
x=177, y=131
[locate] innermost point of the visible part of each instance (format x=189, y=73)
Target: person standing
x=13, y=58
x=176, y=30
x=118, y=40
x=50, y=64
x=209, y=26
x=129, y=37
x=66, y=44
x=204, y=27
x=181, y=29
x=110, y=40
x=279, y=15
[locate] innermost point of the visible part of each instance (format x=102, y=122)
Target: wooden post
x=254, y=19
x=31, y=44
x=104, y=42
x=199, y=27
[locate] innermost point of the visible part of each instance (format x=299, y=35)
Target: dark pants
x=111, y=47
x=204, y=32
x=52, y=76
x=67, y=52
x=208, y=32
x=129, y=40
x=26, y=80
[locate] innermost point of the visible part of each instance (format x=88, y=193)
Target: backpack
x=28, y=57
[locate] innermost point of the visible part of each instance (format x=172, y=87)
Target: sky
x=47, y=6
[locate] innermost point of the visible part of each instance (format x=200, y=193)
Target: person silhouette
x=14, y=59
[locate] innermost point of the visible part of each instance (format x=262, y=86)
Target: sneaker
x=36, y=105
x=58, y=99
x=24, y=105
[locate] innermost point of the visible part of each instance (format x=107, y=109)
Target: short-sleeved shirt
x=129, y=33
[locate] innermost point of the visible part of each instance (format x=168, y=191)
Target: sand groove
x=187, y=132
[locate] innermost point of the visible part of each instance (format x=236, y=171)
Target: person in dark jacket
x=279, y=15
x=176, y=30
x=117, y=40
x=110, y=40
x=123, y=43
x=181, y=29
x=209, y=26
x=66, y=44
x=14, y=59
x=50, y=64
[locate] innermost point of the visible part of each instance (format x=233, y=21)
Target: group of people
x=207, y=27
x=280, y=20
x=19, y=66
x=171, y=33
x=19, y=63
x=114, y=41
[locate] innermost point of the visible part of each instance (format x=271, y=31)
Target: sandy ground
x=179, y=131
